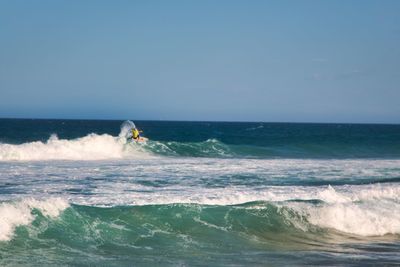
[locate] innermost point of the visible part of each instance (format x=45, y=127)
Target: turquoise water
x=199, y=194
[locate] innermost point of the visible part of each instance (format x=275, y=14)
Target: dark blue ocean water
x=78, y=192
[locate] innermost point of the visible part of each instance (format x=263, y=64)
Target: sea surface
x=77, y=193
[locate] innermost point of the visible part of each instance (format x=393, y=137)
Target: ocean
x=77, y=193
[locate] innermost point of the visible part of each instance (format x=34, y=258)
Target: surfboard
x=141, y=140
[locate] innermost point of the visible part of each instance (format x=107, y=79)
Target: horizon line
x=212, y=121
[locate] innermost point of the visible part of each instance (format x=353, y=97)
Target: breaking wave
x=368, y=212
x=90, y=147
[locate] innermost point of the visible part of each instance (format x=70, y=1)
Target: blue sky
x=296, y=61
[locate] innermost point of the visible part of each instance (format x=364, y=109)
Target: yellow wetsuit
x=135, y=133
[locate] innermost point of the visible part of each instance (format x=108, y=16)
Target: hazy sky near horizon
x=299, y=61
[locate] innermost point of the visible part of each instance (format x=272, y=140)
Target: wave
x=371, y=210
x=55, y=230
x=323, y=216
x=122, y=236
x=102, y=147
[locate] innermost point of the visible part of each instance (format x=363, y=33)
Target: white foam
x=371, y=210
x=365, y=219
x=90, y=147
x=20, y=213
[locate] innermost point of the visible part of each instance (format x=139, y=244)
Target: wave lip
x=20, y=213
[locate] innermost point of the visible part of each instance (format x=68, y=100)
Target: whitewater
x=96, y=198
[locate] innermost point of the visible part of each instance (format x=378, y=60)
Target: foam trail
x=20, y=213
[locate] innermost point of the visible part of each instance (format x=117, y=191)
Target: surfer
x=135, y=134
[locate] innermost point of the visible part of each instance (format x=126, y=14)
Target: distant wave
x=254, y=128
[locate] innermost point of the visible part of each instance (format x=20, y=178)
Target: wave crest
x=90, y=147
x=19, y=213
